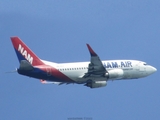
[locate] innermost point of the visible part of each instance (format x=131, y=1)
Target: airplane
x=94, y=73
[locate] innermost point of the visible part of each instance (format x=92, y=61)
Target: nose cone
x=152, y=70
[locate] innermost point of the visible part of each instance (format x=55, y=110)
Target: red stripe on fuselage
x=54, y=72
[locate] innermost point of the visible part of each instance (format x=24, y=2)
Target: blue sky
x=58, y=31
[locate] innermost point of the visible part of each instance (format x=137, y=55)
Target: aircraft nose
x=152, y=69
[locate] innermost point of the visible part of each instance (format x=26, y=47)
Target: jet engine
x=96, y=84
x=114, y=74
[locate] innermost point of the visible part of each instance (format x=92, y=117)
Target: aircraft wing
x=95, y=67
x=51, y=82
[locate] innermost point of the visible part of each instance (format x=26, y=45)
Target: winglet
x=91, y=50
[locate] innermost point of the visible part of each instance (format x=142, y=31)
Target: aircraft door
x=49, y=71
x=141, y=69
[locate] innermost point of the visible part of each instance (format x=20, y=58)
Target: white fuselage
x=93, y=74
x=126, y=69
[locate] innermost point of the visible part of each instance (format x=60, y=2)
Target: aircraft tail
x=24, y=52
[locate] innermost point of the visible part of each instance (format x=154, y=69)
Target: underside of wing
x=52, y=82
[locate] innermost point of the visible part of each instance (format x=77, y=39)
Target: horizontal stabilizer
x=25, y=65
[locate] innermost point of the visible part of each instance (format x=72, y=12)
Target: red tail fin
x=24, y=53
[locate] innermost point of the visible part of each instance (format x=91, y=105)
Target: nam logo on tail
x=25, y=53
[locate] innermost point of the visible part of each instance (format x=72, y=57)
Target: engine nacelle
x=115, y=74
x=96, y=84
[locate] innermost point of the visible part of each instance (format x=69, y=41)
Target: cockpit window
x=145, y=64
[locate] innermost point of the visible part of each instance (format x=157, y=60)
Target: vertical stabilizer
x=24, y=52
